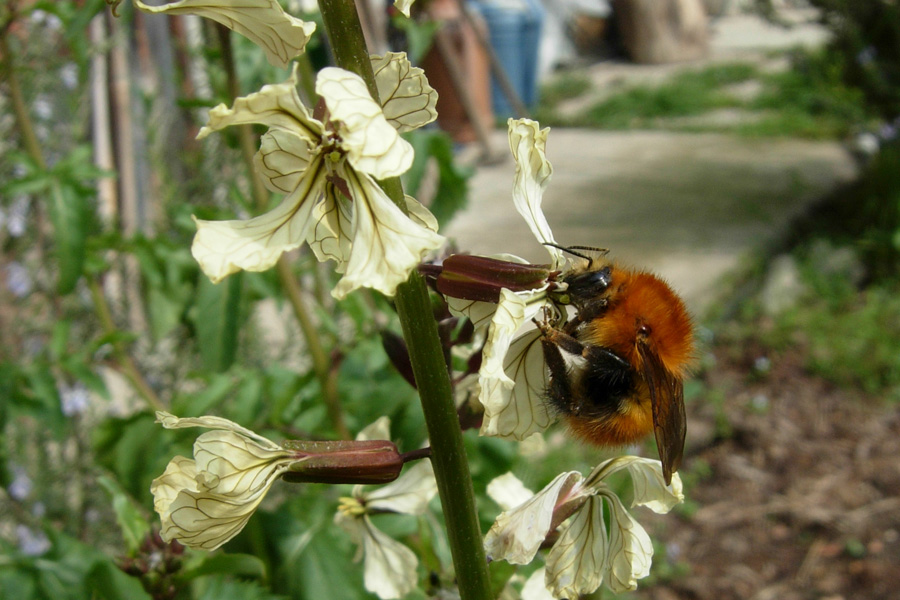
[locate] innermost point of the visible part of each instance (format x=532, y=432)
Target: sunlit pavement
x=687, y=206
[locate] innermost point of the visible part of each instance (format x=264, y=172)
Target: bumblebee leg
x=559, y=390
x=571, y=345
x=588, y=313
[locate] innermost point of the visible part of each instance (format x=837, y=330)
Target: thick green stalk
x=451, y=467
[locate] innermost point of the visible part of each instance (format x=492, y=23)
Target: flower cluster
x=513, y=375
x=599, y=541
x=328, y=170
x=328, y=165
x=205, y=501
x=389, y=567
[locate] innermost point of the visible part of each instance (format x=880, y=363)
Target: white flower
x=263, y=22
x=513, y=375
x=206, y=501
x=389, y=567
x=587, y=553
x=404, y=6
x=329, y=171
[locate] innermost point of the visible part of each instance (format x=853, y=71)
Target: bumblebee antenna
x=572, y=250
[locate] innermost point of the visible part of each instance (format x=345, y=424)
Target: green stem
x=20, y=109
x=129, y=369
x=321, y=364
x=451, y=467
x=245, y=132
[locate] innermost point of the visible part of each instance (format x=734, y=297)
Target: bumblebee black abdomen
x=603, y=386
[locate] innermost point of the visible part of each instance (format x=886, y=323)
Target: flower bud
x=481, y=278
x=370, y=461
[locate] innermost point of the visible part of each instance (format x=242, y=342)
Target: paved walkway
x=686, y=206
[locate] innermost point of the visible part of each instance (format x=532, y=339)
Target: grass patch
x=687, y=94
x=846, y=321
x=565, y=87
x=808, y=100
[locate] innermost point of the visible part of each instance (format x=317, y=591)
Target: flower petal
x=389, y=567
x=380, y=429
x=533, y=171
x=206, y=520
x=420, y=215
x=180, y=474
x=508, y=491
x=225, y=247
x=650, y=488
x=404, y=6
x=373, y=146
x=575, y=564
x=277, y=106
x=205, y=502
x=513, y=373
x=480, y=313
x=518, y=533
x=331, y=235
x=282, y=160
x=231, y=464
x=387, y=245
x=263, y=22
x=535, y=588
x=630, y=550
x=408, y=102
x=170, y=421
x=409, y=494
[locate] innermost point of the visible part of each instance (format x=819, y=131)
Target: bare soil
x=801, y=498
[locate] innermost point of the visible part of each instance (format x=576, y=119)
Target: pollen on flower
x=351, y=507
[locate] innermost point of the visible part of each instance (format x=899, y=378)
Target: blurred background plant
x=105, y=315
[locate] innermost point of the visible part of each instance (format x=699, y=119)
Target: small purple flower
x=867, y=56
x=20, y=487
x=68, y=74
x=43, y=108
x=74, y=399
x=32, y=543
x=17, y=217
x=888, y=131
x=18, y=280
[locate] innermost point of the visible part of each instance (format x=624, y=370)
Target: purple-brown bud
x=370, y=461
x=481, y=278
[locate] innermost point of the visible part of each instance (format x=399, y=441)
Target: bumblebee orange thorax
x=642, y=305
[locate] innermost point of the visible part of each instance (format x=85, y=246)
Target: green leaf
x=237, y=565
x=108, y=582
x=69, y=213
x=419, y=35
x=452, y=188
x=218, y=588
x=216, y=389
x=136, y=450
x=128, y=515
x=216, y=318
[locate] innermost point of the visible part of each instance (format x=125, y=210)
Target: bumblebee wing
x=667, y=402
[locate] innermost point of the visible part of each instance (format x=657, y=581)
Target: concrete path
x=686, y=206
